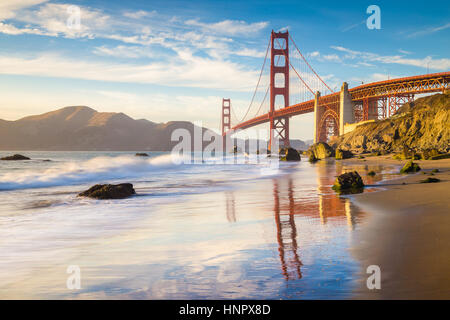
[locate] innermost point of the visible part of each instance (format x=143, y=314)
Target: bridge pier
x=346, y=109
x=316, y=117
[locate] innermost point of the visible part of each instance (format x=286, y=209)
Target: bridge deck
x=433, y=82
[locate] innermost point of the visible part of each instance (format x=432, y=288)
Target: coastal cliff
x=419, y=125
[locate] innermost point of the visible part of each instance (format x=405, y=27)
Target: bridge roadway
x=435, y=82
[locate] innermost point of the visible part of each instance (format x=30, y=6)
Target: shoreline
x=407, y=235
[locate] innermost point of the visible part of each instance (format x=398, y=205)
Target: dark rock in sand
x=410, y=167
x=291, y=155
x=349, y=181
x=141, y=154
x=109, y=191
x=15, y=157
x=430, y=180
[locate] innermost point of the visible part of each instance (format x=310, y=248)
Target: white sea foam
x=96, y=169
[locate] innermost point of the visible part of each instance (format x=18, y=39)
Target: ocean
x=193, y=231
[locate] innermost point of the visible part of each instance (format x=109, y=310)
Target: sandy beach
x=407, y=235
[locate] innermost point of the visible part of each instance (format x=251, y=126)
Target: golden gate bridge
x=332, y=110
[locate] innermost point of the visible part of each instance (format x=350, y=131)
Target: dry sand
x=408, y=234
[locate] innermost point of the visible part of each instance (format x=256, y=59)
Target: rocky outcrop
x=109, y=191
x=321, y=150
x=410, y=167
x=419, y=125
x=15, y=157
x=290, y=154
x=349, y=181
x=343, y=154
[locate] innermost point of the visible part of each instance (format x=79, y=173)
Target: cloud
x=427, y=62
x=404, y=51
x=229, y=27
x=185, y=70
x=429, y=30
x=322, y=57
x=139, y=14
x=52, y=19
x=246, y=52
x=124, y=51
x=9, y=8
x=353, y=26
x=12, y=30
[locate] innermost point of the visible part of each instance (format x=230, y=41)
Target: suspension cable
x=309, y=64
x=257, y=85
x=295, y=70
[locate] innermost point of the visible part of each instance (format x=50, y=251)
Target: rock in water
x=291, y=155
x=349, y=181
x=410, y=167
x=16, y=157
x=141, y=154
x=109, y=191
x=343, y=154
x=321, y=150
x=312, y=158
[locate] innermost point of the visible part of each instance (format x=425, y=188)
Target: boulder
x=109, y=191
x=321, y=150
x=312, y=158
x=349, y=181
x=410, y=167
x=428, y=154
x=141, y=154
x=430, y=180
x=343, y=154
x=291, y=155
x=15, y=157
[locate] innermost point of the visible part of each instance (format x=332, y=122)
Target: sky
x=176, y=60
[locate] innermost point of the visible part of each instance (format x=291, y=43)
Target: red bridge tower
x=279, y=127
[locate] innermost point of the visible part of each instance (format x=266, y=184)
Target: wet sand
x=407, y=235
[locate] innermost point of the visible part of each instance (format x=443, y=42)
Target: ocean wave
x=93, y=170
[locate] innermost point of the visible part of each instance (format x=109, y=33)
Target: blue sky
x=175, y=60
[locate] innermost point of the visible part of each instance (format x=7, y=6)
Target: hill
x=80, y=128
